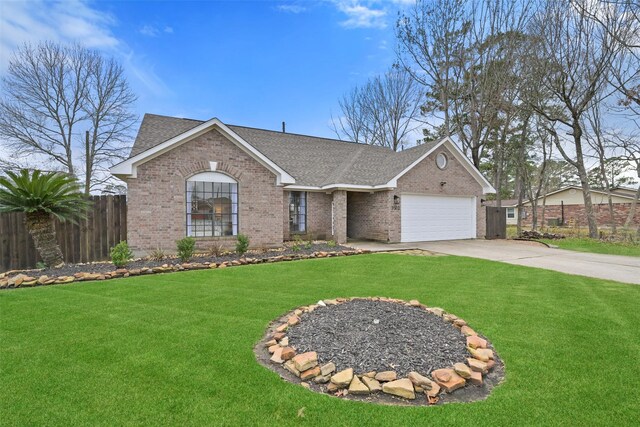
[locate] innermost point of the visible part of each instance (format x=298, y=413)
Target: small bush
x=331, y=243
x=157, y=255
x=121, y=254
x=186, y=247
x=295, y=248
x=242, y=245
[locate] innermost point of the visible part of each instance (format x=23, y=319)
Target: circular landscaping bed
x=381, y=350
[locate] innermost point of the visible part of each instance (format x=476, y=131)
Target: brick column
x=339, y=216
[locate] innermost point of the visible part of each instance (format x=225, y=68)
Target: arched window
x=212, y=205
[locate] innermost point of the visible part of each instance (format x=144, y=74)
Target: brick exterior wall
x=375, y=216
x=156, y=198
x=577, y=214
x=318, y=215
x=425, y=178
x=340, y=216
x=156, y=207
x=368, y=215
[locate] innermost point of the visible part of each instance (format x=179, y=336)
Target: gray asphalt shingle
x=312, y=161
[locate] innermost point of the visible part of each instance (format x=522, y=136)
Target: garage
x=426, y=218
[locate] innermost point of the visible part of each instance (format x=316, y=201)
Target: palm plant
x=43, y=197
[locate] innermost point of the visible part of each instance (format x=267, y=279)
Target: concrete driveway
x=612, y=267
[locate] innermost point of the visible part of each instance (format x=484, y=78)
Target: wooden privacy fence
x=89, y=240
x=496, y=223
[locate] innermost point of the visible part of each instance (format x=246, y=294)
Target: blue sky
x=253, y=63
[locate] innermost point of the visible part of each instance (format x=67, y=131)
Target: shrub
x=216, y=249
x=121, y=254
x=242, y=244
x=157, y=254
x=186, y=247
x=331, y=243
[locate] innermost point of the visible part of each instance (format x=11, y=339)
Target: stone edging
x=22, y=280
x=307, y=371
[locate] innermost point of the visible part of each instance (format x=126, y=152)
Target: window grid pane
x=212, y=209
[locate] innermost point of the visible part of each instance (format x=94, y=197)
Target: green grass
x=176, y=349
x=584, y=244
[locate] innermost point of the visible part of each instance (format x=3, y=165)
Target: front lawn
x=584, y=244
x=176, y=349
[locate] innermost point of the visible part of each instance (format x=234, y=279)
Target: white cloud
x=154, y=31
x=291, y=8
x=361, y=16
x=72, y=21
x=36, y=20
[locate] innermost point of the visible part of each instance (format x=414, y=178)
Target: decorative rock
x=310, y=373
x=414, y=303
x=327, y=368
x=420, y=380
x=331, y=387
x=435, y=390
x=371, y=374
x=282, y=327
x=320, y=379
x=477, y=365
x=306, y=360
x=372, y=384
x=475, y=341
x=331, y=302
x=297, y=312
x=284, y=342
x=437, y=311
x=343, y=378
x=467, y=331
x=463, y=370
x=386, y=376
x=270, y=343
x=448, y=379
x=449, y=317
x=273, y=348
x=305, y=385
x=287, y=353
x=277, y=355
x=290, y=366
x=490, y=364
x=357, y=387
x=278, y=336
x=401, y=388
x=459, y=323
x=321, y=303
x=293, y=320
x=483, y=354
x=442, y=375
x=475, y=378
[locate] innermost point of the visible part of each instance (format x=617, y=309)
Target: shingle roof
x=312, y=161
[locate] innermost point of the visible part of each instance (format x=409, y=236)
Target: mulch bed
x=379, y=336
x=390, y=352
x=106, y=270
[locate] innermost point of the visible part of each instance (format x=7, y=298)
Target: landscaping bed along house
x=69, y=273
x=381, y=350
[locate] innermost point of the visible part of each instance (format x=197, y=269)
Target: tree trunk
x=584, y=180
x=42, y=230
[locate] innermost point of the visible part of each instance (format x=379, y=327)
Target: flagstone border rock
x=466, y=380
x=8, y=280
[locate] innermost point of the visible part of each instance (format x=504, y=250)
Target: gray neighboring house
x=213, y=181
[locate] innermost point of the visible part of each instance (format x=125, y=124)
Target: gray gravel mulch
x=378, y=336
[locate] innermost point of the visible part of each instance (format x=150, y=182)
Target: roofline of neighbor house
x=570, y=187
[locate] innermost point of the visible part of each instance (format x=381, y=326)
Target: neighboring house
x=566, y=206
x=214, y=181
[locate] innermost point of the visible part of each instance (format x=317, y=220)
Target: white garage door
x=427, y=218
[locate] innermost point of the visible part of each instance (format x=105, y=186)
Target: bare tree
x=573, y=64
x=382, y=112
x=463, y=51
x=629, y=146
x=53, y=94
